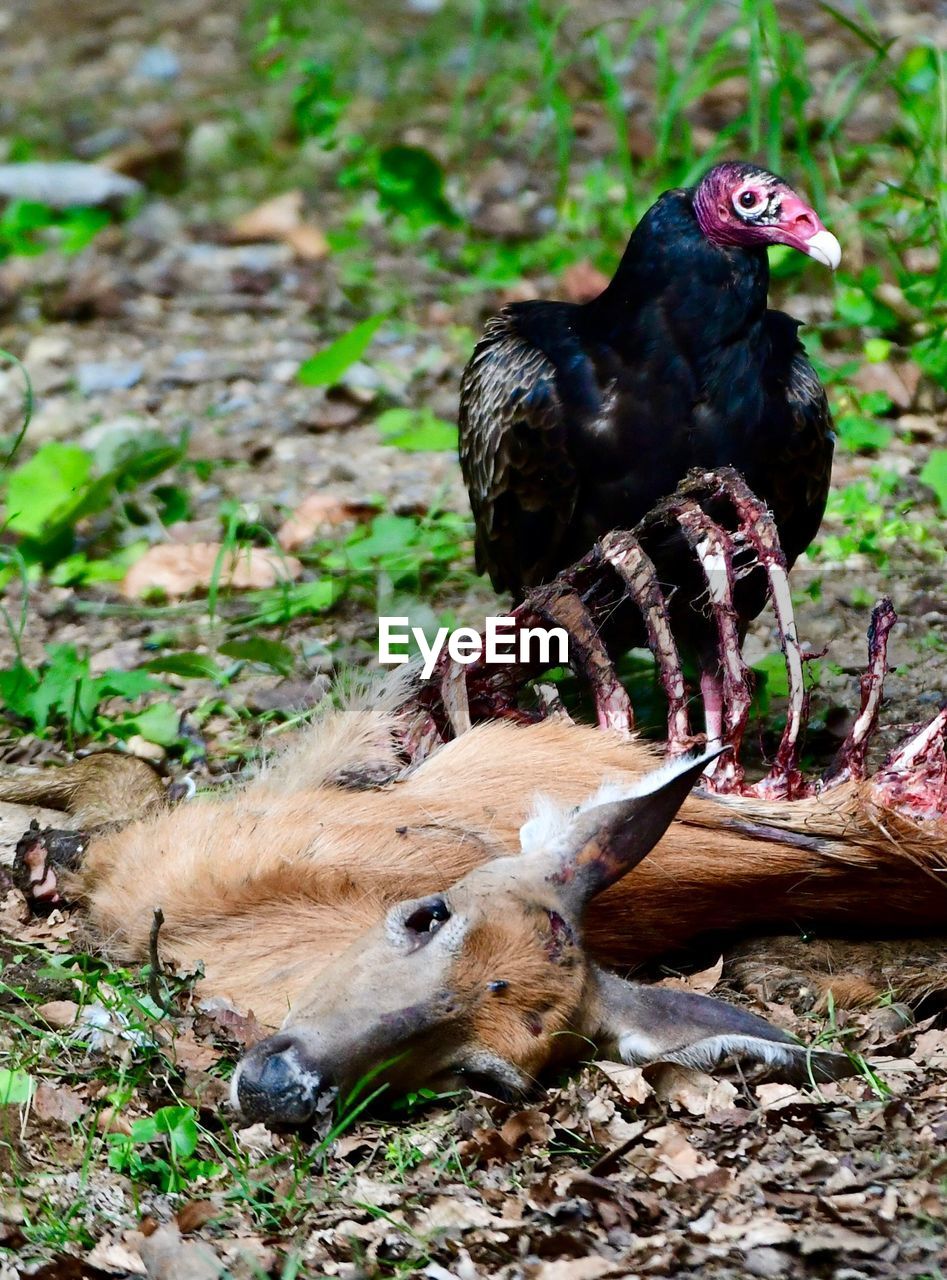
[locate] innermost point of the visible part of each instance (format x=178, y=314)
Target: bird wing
x=799, y=484
x=514, y=456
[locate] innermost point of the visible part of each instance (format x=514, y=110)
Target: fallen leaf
x=167, y=1257
x=182, y=571
x=775, y=1097
x=694, y=1091
x=525, y=1129
x=193, y=1054
x=281, y=219
x=702, y=982
x=582, y=282
x=318, y=511
x=194, y=1214
x=58, y=1103
x=242, y=1028
x=307, y=242
x=270, y=220
x=447, y=1213
x=59, y=1013
x=837, y=1239
x=629, y=1081
x=679, y=1160
x=115, y=1258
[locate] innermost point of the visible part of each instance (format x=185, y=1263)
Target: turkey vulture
x=577, y=419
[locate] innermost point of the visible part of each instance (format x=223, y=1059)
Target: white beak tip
x=825, y=248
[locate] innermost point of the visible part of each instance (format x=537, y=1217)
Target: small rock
x=157, y=63
x=766, y=1262
x=210, y=146
x=47, y=348
x=95, y=377
x=66, y=184
x=145, y=750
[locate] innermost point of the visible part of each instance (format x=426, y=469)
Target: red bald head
x=741, y=205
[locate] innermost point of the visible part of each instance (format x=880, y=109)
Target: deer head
x=488, y=981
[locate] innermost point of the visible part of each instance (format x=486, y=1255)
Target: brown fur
x=265, y=886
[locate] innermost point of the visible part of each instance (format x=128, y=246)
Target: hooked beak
x=802, y=229
x=825, y=248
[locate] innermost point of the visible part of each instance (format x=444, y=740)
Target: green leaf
x=158, y=723
x=269, y=653
x=326, y=367
x=417, y=431
x=934, y=474
x=411, y=182
x=859, y=434
x=41, y=488
x=190, y=666
x=854, y=306
x=16, y=1087
x=931, y=354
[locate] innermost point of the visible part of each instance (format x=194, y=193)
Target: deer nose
x=277, y=1084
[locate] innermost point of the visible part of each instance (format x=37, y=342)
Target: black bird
x=577, y=419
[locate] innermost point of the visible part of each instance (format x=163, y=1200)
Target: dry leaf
x=837, y=1239
x=318, y=511
x=629, y=1081
x=193, y=1214
x=115, y=1258
x=59, y=1013
x=582, y=282
x=58, y=1103
x=167, y=1257
x=774, y=1097
x=702, y=982
x=182, y=571
x=193, y=1054
x=270, y=220
x=447, y=1213
x=242, y=1028
x=526, y=1128
x=281, y=219
x=693, y=1090
x=679, y=1160
x=307, y=242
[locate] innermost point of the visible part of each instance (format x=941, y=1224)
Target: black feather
x=575, y=420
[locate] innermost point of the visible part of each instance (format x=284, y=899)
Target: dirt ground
x=614, y=1172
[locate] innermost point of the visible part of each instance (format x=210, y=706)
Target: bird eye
x=428, y=917
x=748, y=200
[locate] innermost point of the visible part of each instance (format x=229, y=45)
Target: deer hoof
x=41, y=859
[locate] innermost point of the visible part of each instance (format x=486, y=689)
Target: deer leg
x=562, y=606
x=41, y=859
x=726, y=695
x=758, y=529
x=850, y=760
x=913, y=780
x=626, y=555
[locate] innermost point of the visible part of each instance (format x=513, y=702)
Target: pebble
x=210, y=146
x=157, y=62
x=65, y=184
x=95, y=377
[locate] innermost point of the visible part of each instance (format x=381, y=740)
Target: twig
x=154, y=964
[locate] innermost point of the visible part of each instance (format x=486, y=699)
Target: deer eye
x=428, y=917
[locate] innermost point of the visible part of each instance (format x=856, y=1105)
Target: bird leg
x=626, y=555
x=850, y=760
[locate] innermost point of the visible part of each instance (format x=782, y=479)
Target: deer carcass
x=399, y=925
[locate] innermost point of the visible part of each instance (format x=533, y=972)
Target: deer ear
x=603, y=842
x=661, y=1024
